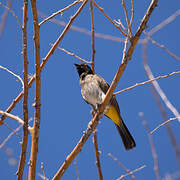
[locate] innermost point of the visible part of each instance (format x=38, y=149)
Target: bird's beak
x=77, y=65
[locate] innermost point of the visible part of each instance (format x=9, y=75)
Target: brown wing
x=104, y=87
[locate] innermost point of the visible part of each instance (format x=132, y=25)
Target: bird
x=93, y=91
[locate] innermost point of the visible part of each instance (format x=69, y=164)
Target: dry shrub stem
x=97, y=155
x=93, y=123
x=92, y=31
x=36, y=125
x=25, y=97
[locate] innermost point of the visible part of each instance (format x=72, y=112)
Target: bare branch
x=97, y=155
x=74, y=55
x=25, y=99
x=164, y=123
x=146, y=82
x=101, y=9
x=77, y=171
x=160, y=91
x=127, y=19
x=153, y=149
x=4, y=16
x=132, y=172
x=12, y=12
x=36, y=125
x=17, y=76
x=122, y=166
x=132, y=13
x=92, y=30
x=162, y=47
x=60, y=11
x=164, y=23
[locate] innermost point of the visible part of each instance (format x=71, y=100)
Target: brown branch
x=101, y=9
x=25, y=99
x=155, y=91
x=74, y=55
x=17, y=99
x=92, y=30
x=93, y=123
x=122, y=166
x=59, y=12
x=153, y=149
x=127, y=19
x=36, y=125
x=132, y=13
x=97, y=155
x=148, y=81
x=164, y=123
x=4, y=17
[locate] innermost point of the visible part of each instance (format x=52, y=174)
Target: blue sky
x=64, y=114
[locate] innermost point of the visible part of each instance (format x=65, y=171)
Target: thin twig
x=97, y=155
x=101, y=9
x=72, y=54
x=36, y=125
x=127, y=19
x=132, y=13
x=17, y=76
x=162, y=124
x=43, y=170
x=121, y=24
x=146, y=82
x=59, y=12
x=11, y=134
x=93, y=123
x=92, y=30
x=77, y=171
x=12, y=12
x=4, y=17
x=122, y=166
x=25, y=99
x=132, y=172
x=153, y=149
x=162, y=47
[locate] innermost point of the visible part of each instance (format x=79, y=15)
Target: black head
x=83, y=69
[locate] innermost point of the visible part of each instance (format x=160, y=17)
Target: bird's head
x=83, y=69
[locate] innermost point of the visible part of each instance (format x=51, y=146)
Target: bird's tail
x=127, y=139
